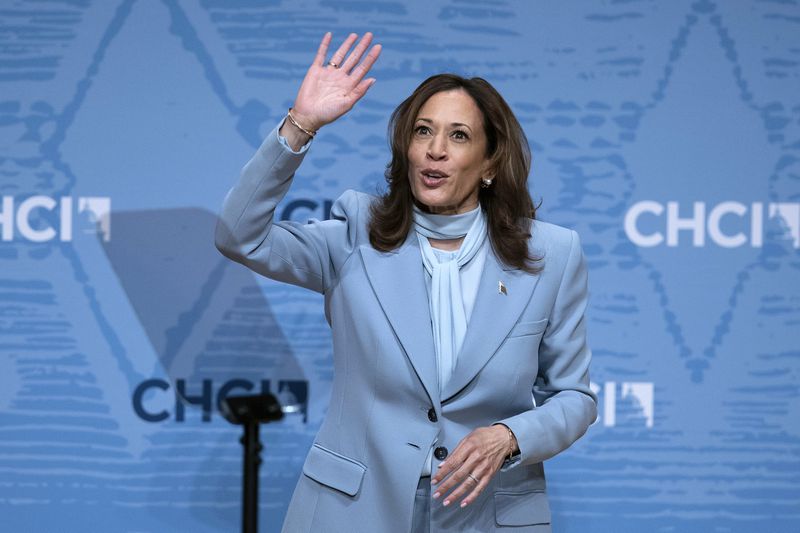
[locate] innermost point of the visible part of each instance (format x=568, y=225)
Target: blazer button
x=440, y=453
x=432, y=415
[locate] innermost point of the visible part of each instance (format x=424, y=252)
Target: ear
x=487, y=170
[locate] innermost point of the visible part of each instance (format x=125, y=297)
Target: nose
x=437, y=148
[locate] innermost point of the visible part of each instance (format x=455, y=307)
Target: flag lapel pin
x=501, y=288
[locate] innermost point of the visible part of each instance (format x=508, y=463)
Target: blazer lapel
x=397, y=278
x=494, y=315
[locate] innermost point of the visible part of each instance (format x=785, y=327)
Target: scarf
x=446, y=302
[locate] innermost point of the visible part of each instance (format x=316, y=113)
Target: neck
x=445, y=232
x=446, y=209
x=448, y=245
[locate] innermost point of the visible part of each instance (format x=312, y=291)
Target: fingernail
x=446, y=503
x=436, y=495
x=434, y=481
x=463, y=504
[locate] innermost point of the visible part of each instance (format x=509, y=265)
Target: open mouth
x=433, y=178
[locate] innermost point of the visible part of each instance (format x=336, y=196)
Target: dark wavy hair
x=507, y=203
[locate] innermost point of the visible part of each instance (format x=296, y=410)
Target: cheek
x=416, y=153
x=469, y=180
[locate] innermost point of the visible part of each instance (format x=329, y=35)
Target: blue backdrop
x=667, y=133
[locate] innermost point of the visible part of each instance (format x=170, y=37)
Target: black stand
x=251, y=411
x=252, y=462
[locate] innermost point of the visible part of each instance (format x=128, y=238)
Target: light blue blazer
x=525, y=362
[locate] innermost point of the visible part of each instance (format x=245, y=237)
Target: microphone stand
x=251, y=412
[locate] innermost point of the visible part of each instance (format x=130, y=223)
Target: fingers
x=333, y=87
x=483, y=481
x=347, y=63
x=361, y=70
x=444, y=469
x=353, y=59
x=454, y=470
x=361, y=89
x=319, y=59
x=468, y=447
x=338, y=57
x=470, y=468
x=469, y=479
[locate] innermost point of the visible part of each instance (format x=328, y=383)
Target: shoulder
x=552, y=242
x=551, y=236
x=353, y=209
x=352, y=205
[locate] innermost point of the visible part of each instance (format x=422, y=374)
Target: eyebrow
x=429, y=121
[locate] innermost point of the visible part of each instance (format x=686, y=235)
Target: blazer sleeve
x=306, y=255
x=565, y=404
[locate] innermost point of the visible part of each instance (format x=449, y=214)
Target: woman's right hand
x=329, y=92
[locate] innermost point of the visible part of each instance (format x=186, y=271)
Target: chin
x=431, y=201
x=437, y=198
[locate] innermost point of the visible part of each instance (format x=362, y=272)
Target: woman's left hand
x=472, y=464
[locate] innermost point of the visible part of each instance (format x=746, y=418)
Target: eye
x=460, y=135
x=422, y=130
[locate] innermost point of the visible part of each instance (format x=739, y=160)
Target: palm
x=328, y=92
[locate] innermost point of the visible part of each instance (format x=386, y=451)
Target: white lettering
x=715, y=232
x=610, y=404
x=695, y=224
x=700, y=225
x=631, y=229
x=7, y=218
x=66, y=218
x=757, y=225
x=23, y=218
x=98, y=210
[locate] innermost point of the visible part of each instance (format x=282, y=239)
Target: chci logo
x=43, y=218
x=626, y=404
x=727, y=224
x=157, y=400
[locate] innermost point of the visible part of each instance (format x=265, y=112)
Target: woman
x=460, y=355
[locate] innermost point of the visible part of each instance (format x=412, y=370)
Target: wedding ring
x=334, y=65
x=473, y=478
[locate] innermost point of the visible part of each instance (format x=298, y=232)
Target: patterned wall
x=667, y=133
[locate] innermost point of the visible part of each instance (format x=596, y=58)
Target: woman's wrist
x=294, y=132
x=301, y=122
x=512, y=446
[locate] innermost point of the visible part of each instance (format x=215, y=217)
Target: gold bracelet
x=301, y=128
x=510, y=442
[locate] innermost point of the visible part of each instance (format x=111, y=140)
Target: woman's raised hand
x=331, y=88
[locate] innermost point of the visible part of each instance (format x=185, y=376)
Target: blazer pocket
x=528, y=328
x=334, y=470
x=521, y=508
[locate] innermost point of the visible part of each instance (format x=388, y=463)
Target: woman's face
x=447, y=154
